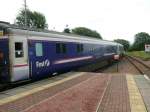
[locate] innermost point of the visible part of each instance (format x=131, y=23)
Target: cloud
x=111, y=18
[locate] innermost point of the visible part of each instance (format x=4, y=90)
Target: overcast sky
x=111, y=18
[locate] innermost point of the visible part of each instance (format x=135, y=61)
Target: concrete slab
x=47, y=81
x=14, y=91
x=2, y=95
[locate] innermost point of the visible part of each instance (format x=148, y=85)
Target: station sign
x=147, y=47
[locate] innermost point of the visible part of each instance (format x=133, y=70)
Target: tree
x=39, y=20
x=34, y=19
x=125, y=43
x=140, y=40
x=86, y=32
x=67, y=30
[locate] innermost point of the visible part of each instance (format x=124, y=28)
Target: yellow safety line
x=29, y=92
x=136, y=101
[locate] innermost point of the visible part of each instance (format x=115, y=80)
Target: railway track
x=139, y=65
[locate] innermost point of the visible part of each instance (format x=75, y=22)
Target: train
x=29, y=54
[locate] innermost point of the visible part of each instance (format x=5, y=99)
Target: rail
x=139, y=65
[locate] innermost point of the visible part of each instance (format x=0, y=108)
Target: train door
x=4, y=60
x=39, y=59
x=20, y=69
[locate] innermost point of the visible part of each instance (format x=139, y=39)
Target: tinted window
x=61, y=48
x=79, y=48
x=39, y=49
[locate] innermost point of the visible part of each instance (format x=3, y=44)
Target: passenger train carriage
x=27, y=54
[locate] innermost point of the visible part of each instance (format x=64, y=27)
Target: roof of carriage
x=47, y=33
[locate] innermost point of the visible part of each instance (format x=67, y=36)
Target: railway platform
x=81, y=92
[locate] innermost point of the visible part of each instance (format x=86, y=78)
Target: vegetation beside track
x=140, y=54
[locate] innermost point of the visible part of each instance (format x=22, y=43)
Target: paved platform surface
x=80, y=92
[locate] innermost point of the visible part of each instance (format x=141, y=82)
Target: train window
x=57, y=48
x=79, y=48
x=39, y=49
x=61, y=48
x=19, y=49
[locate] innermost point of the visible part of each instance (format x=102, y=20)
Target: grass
x=140, y=54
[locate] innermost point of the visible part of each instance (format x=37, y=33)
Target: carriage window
x=79, y=48
x=19, y=49
x=39, y=49
x=60, y=48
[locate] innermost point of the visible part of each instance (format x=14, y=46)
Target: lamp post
x=25, y=7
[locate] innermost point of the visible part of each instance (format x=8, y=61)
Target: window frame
x=19, y=50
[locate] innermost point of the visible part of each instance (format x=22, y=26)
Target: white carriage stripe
x=73, y=59
x=107, y=54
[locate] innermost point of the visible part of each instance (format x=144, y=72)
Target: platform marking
x=29, y=92
x=108, y=83
x=136, y=101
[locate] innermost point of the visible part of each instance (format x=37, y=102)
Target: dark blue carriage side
x=42, y=57
x=42, y=66
x=48, y=61
x=4, y=60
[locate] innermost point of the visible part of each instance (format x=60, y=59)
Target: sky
x=111, y=18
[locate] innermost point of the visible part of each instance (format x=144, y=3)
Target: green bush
x=140, y=54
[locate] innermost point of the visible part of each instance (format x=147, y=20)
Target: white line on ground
x=146, y=77
x=103, y=95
